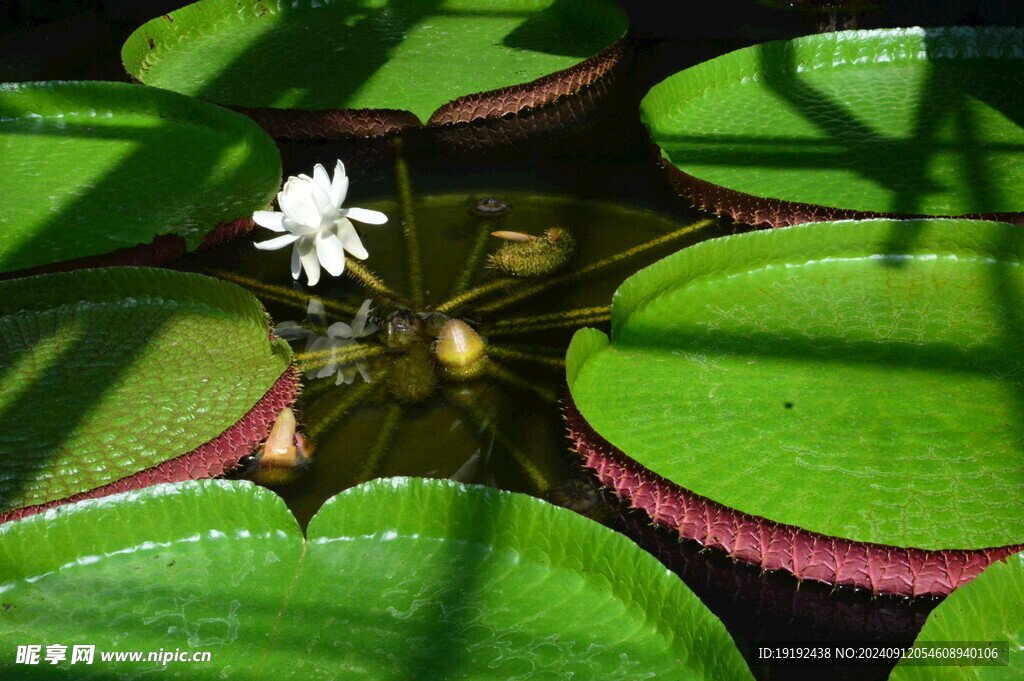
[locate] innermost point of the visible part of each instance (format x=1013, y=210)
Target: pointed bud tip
x=458, y=345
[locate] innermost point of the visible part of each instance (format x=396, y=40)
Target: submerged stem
x=382, y=441
x=593, y=267
x=472, y=294
x=371, y=281
x=478, y=418
x=412, y=243
x=355, y=395
x=287, y=296
x=473, y=260
x=555, y=320
x=321, y=358
x=508, y=353
x=500, y=373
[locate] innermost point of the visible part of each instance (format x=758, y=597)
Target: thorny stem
x=371, y=281
x=512, y=354
x=474, y=293
x=280, y=294
x=498, y=304
x=556, y=320
x=500, y=373
x=382, y=441
x=355, y=395
x=477, y=416
x=412, y=243
x=321, y=358
x=473, y=260
x=314, y=389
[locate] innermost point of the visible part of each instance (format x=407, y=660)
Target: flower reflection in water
x=325, y=343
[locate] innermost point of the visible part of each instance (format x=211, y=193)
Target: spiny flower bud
x=460, y=349
x=529, y=256
x=413, y=379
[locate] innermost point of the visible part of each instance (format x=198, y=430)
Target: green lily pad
x=92, y=167
x=989, y=609
x=377, y=54
x=894, y=122
x=859, y=380
x=399, y=578
x=108, y=373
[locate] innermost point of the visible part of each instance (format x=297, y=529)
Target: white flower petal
x=297, y=202
x=277, y=242
x=307, y=255
x=346, y=375
x=322, y=199
x=363, y=371
x=296, y=228
x=296, y=263
x=339, y=186
x=370, y=217
x=350, y=239
x=292, y=331
x=359, y=321
x=327, y=370
x=322, y=179
x=322, y=344
x=339, y=330
x=331, y=252
x=315, y=312
x=271, y=219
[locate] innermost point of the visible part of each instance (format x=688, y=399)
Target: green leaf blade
x=456, y=582
x=171, y=165
x=817, y=377
x=990, y=608
x=147, y=364
x=201, y=566
x=260, y=54
x=895, y=122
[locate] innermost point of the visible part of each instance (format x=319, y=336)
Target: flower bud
x=412, y=378
x=284, y=453
x=460, y=349
x=528, y=256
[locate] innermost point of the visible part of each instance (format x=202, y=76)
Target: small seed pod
x=284, y=454
x=413, y=379
x=530, y=256
x=460, y=350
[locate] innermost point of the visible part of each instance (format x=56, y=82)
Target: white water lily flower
x=316, y=223
x=339, y=335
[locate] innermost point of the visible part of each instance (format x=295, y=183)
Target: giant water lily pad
x=989, y=610
x=852, y=124
x=376, y=66
x=89, y=168
x=813, y=398
x=397, y=579
x=117, y=378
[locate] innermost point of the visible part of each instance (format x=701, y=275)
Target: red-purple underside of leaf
x=763, y=212
x=774, y=546
x=206, y=461
x=492, y=105
x=163, y=249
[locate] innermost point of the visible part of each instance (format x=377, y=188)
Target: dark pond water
x=505, y=429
